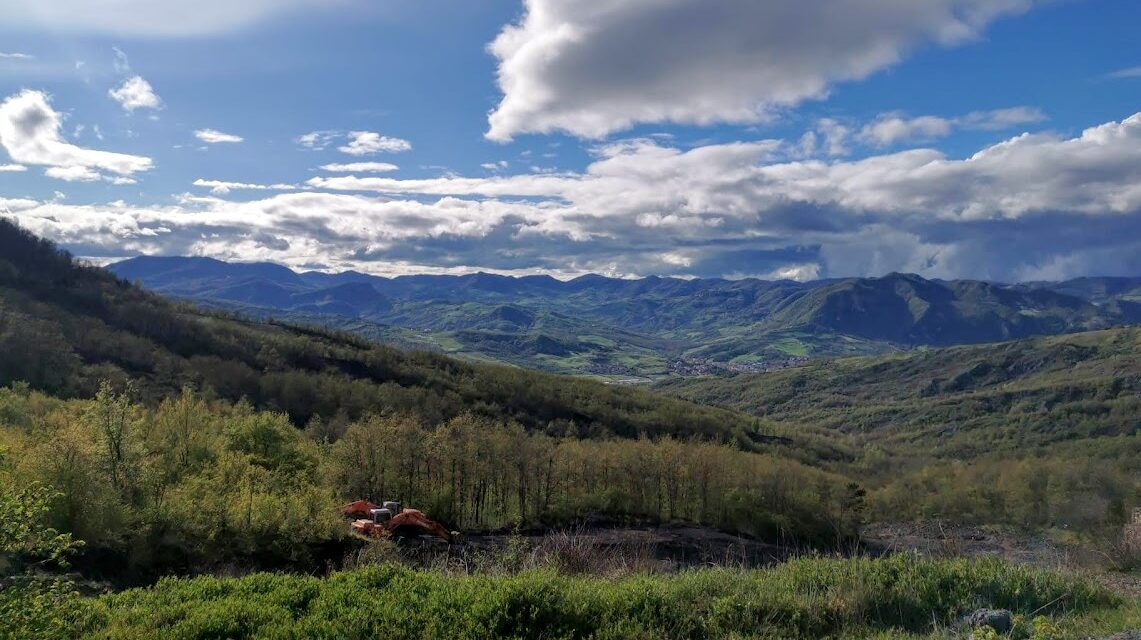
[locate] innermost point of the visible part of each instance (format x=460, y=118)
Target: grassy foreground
x=808, y=598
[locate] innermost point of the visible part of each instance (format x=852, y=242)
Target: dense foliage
x=1041, y=432
x=198, y=485
x=32, y=604
x=800, y=599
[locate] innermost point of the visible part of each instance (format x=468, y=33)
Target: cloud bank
x=1033, y=206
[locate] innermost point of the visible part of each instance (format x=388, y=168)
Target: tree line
x=200, y=484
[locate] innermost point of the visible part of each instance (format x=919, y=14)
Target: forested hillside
x=268, y=419
x=647, y=328
x=172, y=440
x=959, y=402
x=1039, y=432
x=64, y=328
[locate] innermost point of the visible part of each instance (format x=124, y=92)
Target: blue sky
x=953, y=138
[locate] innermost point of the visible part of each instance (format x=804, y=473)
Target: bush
x=806, y=598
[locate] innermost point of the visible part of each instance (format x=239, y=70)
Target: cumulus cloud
x=223, y=187
x=360, y=167
x=213, y=136
x=73, y=174
x=1027, y=173
x=1032, y=205
x=136, y=93
x=12, y=168
x=16, y=56
x=147, y=18
x=592, y=68
x=913, y=210
x=363, y=143
x=30, y=130
x=890, y=129
x=893, y=128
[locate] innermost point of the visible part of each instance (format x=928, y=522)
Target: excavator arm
x=411, y=522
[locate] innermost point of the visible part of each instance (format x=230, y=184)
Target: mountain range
x=646, y=328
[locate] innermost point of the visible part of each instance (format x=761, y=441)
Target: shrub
x=805, y=598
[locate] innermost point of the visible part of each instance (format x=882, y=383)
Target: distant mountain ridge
x=643, y=328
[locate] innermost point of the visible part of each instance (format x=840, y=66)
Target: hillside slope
x=647, y=328
x=65, y=327
x=1020, y=397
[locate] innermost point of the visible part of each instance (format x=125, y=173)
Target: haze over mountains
x=650, y=327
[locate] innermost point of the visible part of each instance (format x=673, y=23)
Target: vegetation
x=811, y=598
x=620, y=329
x=32, y=605
x=197, y=485
x=176, y=442
x=65, y=328
x=1037, y=433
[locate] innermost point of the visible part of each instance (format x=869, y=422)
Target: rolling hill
x=1019, y=398
x=65, y=327
x=647, y=328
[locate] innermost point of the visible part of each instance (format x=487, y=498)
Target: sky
x=987, y=139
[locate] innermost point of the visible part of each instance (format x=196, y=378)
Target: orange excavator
x=391, y=521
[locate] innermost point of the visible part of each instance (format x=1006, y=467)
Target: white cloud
x=363, y=143
x=222, y=187
x=494, y=166
x=592, y=68
x=136, y=93
x=1130, y=72
x=12, y=168
x=73, y=174
x=835, y=136
x=890, y=129
x=212, y=136
x=360, y=167
x=797, y=272
x=318, y=140
x=893, y=128
x=149, y=19
x=999, y=119
x=655, y=184
x=16, y=56
x=30, y=132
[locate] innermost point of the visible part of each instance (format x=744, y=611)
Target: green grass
x=791, y=346
x=810, y=598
